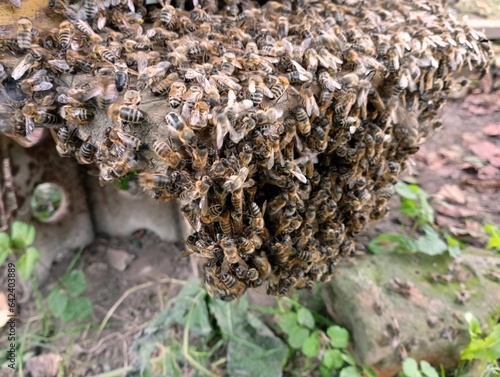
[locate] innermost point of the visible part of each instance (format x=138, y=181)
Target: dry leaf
x=452, y=193
x=485, y=149
x=4, y=309
x=487, y=173
x=492, y=129
x=456, y=211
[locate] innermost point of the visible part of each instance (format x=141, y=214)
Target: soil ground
x=463, y=155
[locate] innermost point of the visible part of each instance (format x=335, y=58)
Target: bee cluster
x=280, y=126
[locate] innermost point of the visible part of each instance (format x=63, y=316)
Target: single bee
x=121, y=75
x=308, y=100
x=200, y=157
x=118, y=137
x=65, y=34
x=127, y=113
x=166, y=153
x=156, y=181
x=35, y=113
x=175, y=94
x=280, y=87
x=85, y=154
x=262, y=265
x=63, y=141
x=104, y=53
x=91, y=9
x=38, y=82
x=79, y=62
x=168, y=17
x=78, y=115
x=183, y=131
x=258, y=90
x=24, y=33
x=235, y=287
x=303, y=122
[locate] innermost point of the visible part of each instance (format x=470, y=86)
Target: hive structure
x=280, y=127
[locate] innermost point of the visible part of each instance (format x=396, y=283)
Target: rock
x=428, y=322
x=119, y=213
x=119, y=259
x=40, y=164
x=46, y=365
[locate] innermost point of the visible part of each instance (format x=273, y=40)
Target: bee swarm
x=280, y=127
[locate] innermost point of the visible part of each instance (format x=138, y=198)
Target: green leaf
x=288, y=322
x=171, y=366
x=193, y=297
x=406, y=191
x=332, y=359
x=431, y=243
x=305, y=317
x=310, y=347
x=324, y=371
x=474, y=325
x=57, y=301
x=349, y=372
x=298, y=337
x=494, y=232
x=22, y=234
x=409, y=208
x=391, y=243
x=369, y=371
x=254, y=350
x=348, y=358
x=453, y=246
x=229, y=315
x=5, y=249
x=338, y=336
x=75, y=282
x=428, y=370
x=26, y=263
x=77, y=308
x=410, y=368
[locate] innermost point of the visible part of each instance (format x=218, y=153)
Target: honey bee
x=200, y=157
x=121, y=75
x=103, y=53
x=125, y=164
x=256, y=217
x=183, y=131
x=258, y=90
x=199, y=115
x=35, y=113
x=308, y=100
x=24, y=33
x=176, y=93
x=78, y=61
x=62, y=138
x=78, y=115
x=280, y=87
x=303, y=122
x=65, y=34
x=90, y=8
x=235, y=287
x=283, y=27
x=38, y=82
x=85, y=154
x=156, y=181
x=262, y=265
x=126, y=113
x=118, y=137
x=166, y=153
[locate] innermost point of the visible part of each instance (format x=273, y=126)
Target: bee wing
x=311, y=106
x=30, y=126
x=59, y=64
x=194, y=117
x=16, y=3
x=231, y=98
x=221, y=131
x=22, y=67
x=267, y=92
x=246, y=104
x=304, y=75
x=288, y=47
x=298, y=174
x=45, y=85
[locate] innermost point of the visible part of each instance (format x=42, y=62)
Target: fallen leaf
x=492, y=129
x=488, y=172
x=485, y=149
x=4, y=309
x=452, y=193
x=488, y=183
x=455, y=211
